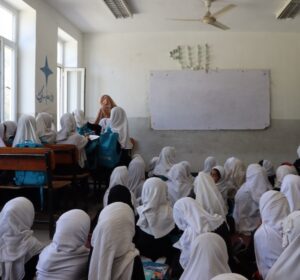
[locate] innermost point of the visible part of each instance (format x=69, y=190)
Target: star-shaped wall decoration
x=46, y=70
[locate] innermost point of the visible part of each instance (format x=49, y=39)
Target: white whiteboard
x=196, y=100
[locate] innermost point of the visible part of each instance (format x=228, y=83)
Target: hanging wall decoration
x=43, y=95
x=194, y=58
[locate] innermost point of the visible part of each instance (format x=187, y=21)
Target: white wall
x=119, y=64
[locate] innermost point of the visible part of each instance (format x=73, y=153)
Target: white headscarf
x=209, y=258
x=119, y=176
x=136, y=175
x=113, y=254
x=208, y=195
x=165, y=161
x=246, y=210
x=291, y=189
x=229, y=276
x=191, y=218
x=209, y=163
x=155, y=213
x=235, y=172
x=188, y=169
x=298, y=151
x=79, y=118
x=151, y=166
x=66, y=257
x=17, y=243
x=282, y=171
x=118, y=123
x=26, y=131
x=179, y=184
x=222, y=184
x=2, y=144
x=7, y=129
x=45, y=128
x=287, y=265
x=274, y=208
x=68, y=135
x=268, y=166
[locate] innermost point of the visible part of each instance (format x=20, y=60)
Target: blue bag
x=36, y=178
x=109, y=149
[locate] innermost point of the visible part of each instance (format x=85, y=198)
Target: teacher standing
x=107, y=104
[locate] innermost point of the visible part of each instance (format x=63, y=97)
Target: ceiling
x=152, y=16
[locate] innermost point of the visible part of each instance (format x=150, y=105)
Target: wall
x=46, y=29
x=119, y=64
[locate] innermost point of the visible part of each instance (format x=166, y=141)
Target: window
x=7, y=63
x=70, y=79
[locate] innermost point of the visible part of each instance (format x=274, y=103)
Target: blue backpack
x=109, y=149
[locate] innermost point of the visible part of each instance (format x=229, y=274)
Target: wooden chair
x=66, y=160
x=33, y=159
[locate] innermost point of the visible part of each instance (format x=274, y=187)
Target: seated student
x=19, y=249
x=118, y=123
x=26, y=131
x=281, y=172
x=151, y=166
x=164, y=163
x=229, y=276
x=297, y=161
x=208, y=258
x=46, y=128
x=155, y=223
x=235, y=171
x=287, y=265
x=209, y=163
x=273, y=207
x=246, y=209
x=8, y=131
x=267, y=164
x=114, y=254
x=83, y=126
x=193, y=220
x=68, y=135
x=179, y=184
x=107, y=104
x=219, y=177
x=209, y=196
x=136, y=175
x=66, y=257
x=291, y=189
x=188, y=169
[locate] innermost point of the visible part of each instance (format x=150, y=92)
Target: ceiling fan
x=210, y=18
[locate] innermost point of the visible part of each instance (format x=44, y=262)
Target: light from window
x=8, y=82
x=60, y=53
x=6, y=24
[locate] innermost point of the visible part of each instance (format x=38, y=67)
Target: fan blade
x=219, y=25
x=224, y=10
x=183, y=19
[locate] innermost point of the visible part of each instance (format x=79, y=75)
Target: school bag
x=109, y=149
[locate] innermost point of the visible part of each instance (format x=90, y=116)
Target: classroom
x=57, y=56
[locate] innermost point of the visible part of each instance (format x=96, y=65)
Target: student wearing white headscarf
x=268, y=166
x=219, y=176
x=188, y=169
x=165, y=161
x=193, y=220
x=26, y=131
x=151, y=166
x=45, y=128
x=83, y=126
x=235, y=172
x=179, y=184
x=246, y=209
x=281, y=172
x=114, y=255
x=19, y=249
x=208, y=195
x=68, y=135
x=297, y=161
x=287, y=265
x=66, y=257
x=208, y=258
x=136, y=175
x=273, y=207
x=291, y=189
x=209, y=163
x=229, y=276
x=8, y=131
x=155, y=221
